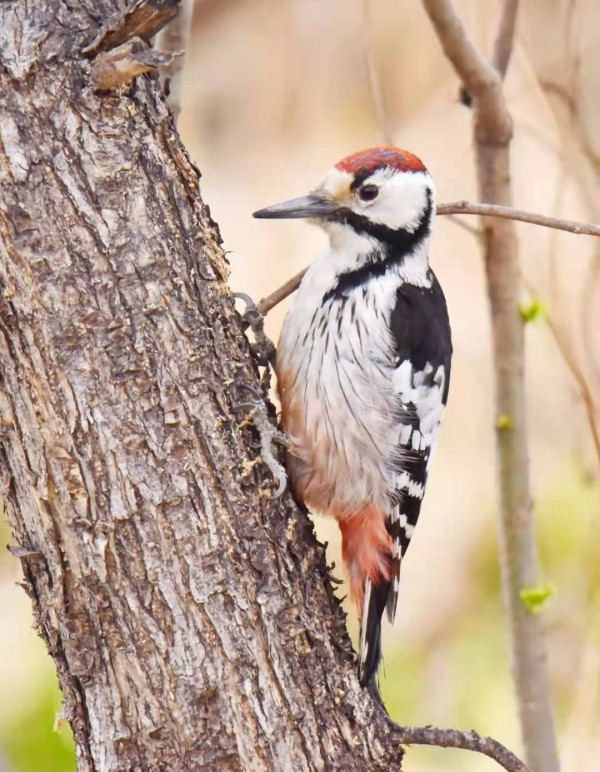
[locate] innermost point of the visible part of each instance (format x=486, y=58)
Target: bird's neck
x=359, y=257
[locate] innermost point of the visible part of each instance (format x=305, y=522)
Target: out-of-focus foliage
x=460, y=674
x=275, y=92
x=32, y=738
x=30, y=741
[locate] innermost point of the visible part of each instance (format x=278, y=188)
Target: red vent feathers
x=377, y=157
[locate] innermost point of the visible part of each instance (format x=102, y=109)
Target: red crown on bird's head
x=378, y=157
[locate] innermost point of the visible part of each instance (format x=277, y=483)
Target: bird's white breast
x=335, y=364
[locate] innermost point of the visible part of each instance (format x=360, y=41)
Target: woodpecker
x=363, y=370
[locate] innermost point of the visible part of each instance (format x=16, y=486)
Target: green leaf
x=534, y=598
x=533, y=310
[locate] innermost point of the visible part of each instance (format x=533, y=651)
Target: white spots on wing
x=419, y=377
x=405, y=482
x=416, y=440
x=403, y=379
x=426, y=394
x=405, y=432
x=409, y=530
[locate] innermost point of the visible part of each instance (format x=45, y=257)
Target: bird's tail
x=370, y=554
x=369, y=656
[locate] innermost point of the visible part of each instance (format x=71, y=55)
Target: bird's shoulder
x=420, y=327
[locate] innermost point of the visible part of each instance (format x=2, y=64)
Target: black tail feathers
x=376, y=598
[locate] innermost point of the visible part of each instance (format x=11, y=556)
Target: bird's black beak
x=313, y=205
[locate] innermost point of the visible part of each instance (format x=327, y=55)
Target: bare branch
x=175, y=38
x=373, y=76
x=479, y=77
x=290, y=286
x=142, y=19
x=453, y=208
x=468, y=741
x=505, y=37
x=508, y=213
x=113, y=68
x=492, y=130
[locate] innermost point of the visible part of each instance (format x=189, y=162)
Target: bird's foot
x=269, y=435
x=263, y=347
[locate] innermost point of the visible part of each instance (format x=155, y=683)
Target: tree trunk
x=190, y=615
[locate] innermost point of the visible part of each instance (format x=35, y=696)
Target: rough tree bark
x=189, y=614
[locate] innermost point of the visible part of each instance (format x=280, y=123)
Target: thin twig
x=455, y=207
x=577, y=373
x=506, y=34
x=509, y=213
x=566, y=351
x=373, y=75
x=502, y=47
x=589, y=302
x=576, y=132
x=473, y=230
x=468, y=741
x=175, y=38
x=291, y=285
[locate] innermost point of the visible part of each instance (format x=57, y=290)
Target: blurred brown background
x=275, y=92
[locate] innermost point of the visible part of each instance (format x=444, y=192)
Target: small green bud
x=504, y=422
x=534, y=598
x=533, y=310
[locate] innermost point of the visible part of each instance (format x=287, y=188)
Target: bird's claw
x=269, y=436
x=263, y=348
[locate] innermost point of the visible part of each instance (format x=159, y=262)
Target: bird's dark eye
x=368, y=192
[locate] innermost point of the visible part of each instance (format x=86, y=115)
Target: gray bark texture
x=189, y=614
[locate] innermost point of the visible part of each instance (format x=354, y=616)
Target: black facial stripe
x=376, y=264
x=400, y=240
x=395, y=246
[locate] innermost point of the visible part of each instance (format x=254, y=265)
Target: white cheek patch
x=402, y=198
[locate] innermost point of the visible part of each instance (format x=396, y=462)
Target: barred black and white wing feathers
x=421, y=333
x=421, y=329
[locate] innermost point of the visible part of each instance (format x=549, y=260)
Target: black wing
x=423, y=347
